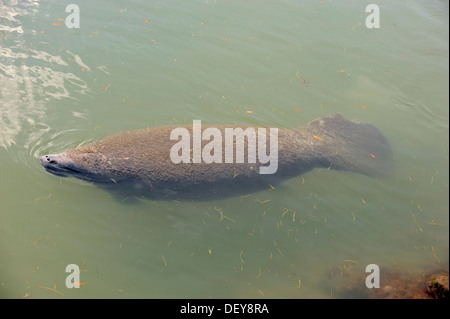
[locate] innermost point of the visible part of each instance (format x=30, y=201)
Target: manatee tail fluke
x=350, y=145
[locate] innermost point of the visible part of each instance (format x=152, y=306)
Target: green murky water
x=149, y=63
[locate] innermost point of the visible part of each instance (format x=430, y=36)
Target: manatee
x=138, y=162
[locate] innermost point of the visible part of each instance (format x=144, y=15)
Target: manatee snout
x=56, y=164
x=67, y=165
x=49, y=159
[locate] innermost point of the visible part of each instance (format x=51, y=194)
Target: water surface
x=141, y=64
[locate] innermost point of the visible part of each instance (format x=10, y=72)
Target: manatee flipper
x=348, y=145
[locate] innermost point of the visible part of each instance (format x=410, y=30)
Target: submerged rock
x=438, y=286
x=348, y=281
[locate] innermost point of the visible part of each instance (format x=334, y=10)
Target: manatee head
x=89, y=166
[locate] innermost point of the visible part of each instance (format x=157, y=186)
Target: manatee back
x=143, y=158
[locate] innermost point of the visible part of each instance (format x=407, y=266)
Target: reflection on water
x=29, y=79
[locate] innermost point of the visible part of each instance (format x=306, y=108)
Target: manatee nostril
x=50, y=159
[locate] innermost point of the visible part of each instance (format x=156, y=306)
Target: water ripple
x=30, y=80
